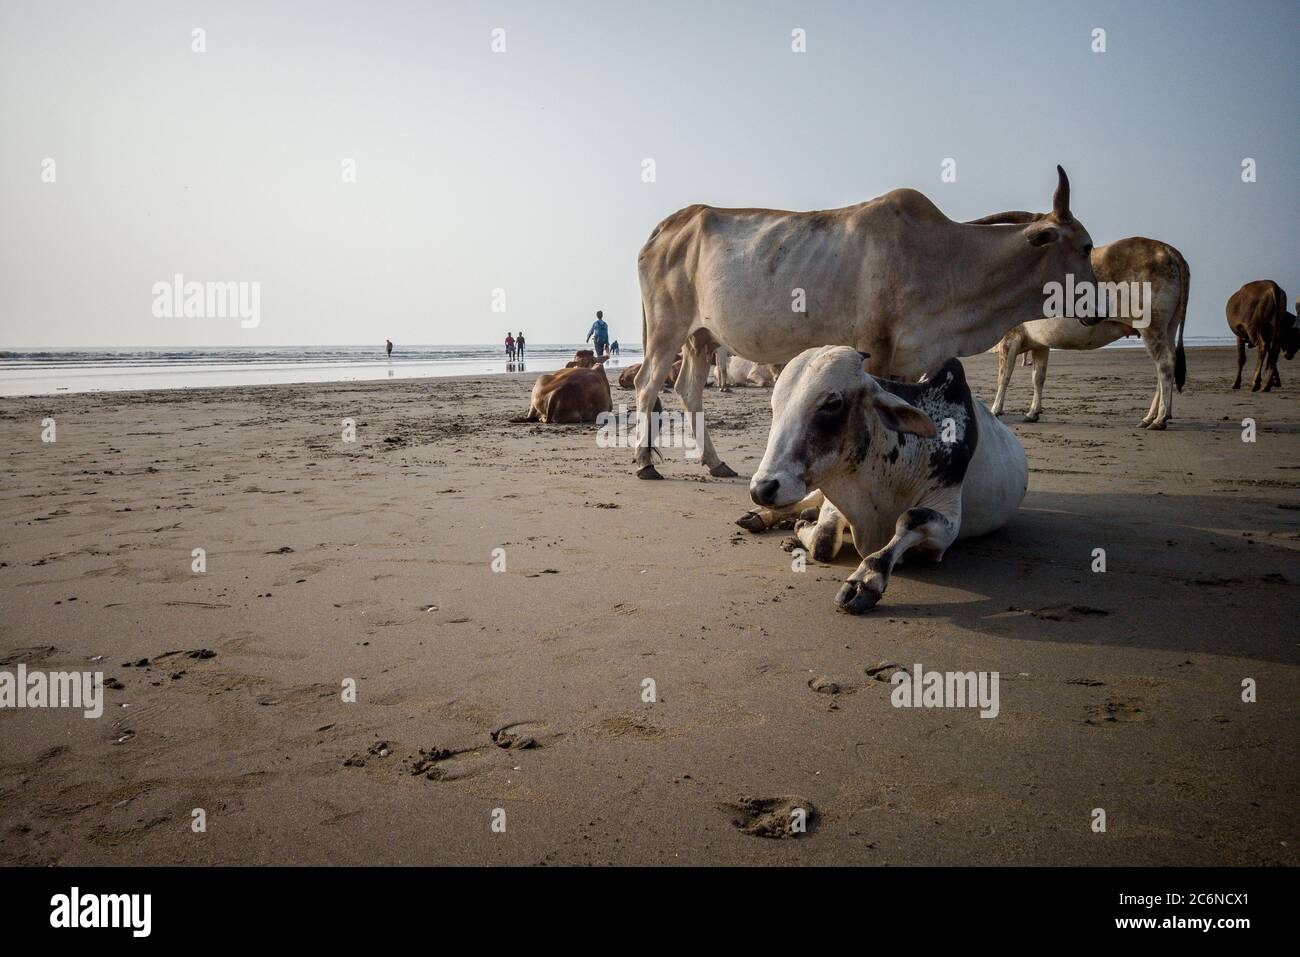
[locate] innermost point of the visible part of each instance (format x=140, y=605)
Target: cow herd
x=858, y=315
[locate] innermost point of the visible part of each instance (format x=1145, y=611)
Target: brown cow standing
x=1257, y=316
x=571, y=395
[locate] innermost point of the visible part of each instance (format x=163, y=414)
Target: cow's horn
x=1061, y=198
x=1017, y=216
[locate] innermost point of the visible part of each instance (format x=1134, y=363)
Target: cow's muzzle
x=764, y=492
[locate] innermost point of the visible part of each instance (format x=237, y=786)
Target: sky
x=516, y=179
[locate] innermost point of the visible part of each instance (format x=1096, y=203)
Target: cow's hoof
x=790, y=544
x=1237, y=385
x=648, y=472
x=751, y=522
x=1031, y=416
x=722, y=470
x=1157, y=426
x=855, y=598
x=809, y=515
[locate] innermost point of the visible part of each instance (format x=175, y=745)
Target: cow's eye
x=832, y=405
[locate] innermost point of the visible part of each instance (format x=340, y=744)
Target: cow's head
x=585, y=359
x=1291, y=335
x=826, y=413
x=1060, y=246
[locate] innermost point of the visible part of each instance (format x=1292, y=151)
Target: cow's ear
x=1040, y=234
x=903, y=416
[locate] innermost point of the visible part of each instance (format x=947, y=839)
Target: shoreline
x=549, y=364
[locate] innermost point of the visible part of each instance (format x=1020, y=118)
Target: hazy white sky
x=522, y=170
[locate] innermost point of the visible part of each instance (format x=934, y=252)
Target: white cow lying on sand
x=732, y=370
x=875, y=453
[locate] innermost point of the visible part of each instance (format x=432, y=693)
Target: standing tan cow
x=1257, y=316
x=893, y=276
x=1133, y=260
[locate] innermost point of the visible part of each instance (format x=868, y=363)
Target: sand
x=522, y=690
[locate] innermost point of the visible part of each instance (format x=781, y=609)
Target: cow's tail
x=1180, y=316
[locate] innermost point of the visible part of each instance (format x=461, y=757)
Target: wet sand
x=522, y=690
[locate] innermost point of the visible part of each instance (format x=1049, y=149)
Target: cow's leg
x=1007, y=351
x=690, y=391
x=761, y=519
x=1270, y=368
x=925, y=529
x=654, y=369
x=1262, y=348
x=1040, y=376
x=1241, y=361
x=1154, y=410
x=720, y=359
x=1162, y=354
x=823, y=538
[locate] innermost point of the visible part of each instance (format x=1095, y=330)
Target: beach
x=498, y=594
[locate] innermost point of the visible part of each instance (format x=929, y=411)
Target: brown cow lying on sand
x=1257, y=316
x=571, y=395
x=585, y=359
x=627, y=379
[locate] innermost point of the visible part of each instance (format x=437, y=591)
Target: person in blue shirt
x=601, y=332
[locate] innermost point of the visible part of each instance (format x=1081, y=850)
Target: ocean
x=48, y=371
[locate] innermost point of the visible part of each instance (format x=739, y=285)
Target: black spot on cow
x=916, y=517
x=943, y=395
x=893, y=455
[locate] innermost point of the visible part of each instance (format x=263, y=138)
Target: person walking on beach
x=601, y=332
x=510, y=346
x=519, y=343
x=388, y=345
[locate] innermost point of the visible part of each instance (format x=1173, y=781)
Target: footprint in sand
x=1115, y=710
x=447, y=764
x=523, y=735
x=777, y=818
x=1066, y=612
x=826, y=685
x=883, y=671
x=35, y=655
